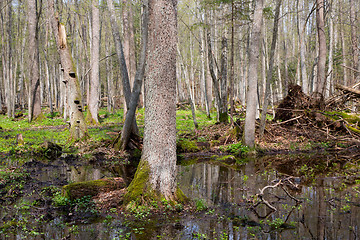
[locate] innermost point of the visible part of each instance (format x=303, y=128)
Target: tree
x=254, y=53
x=78, y=128
x=121, y=57
x=130, y=114
x=270, y=70
x=92, y=116
x=320, y=24
x=156, y=173
x=34, y=97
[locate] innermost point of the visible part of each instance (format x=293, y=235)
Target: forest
x=178, y=119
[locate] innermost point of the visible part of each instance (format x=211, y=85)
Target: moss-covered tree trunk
x=156, y=173
x=78, y=128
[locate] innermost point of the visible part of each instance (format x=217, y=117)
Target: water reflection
x=329, y=209
x=325, y=213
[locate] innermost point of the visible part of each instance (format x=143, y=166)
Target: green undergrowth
x=53, y=128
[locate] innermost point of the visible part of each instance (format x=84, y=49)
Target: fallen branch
x=292, y=119
x=348, y=89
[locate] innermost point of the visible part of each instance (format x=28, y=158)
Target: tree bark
x=122, y=61
x=156, y=173
x=251, y=99
x=78, y=128
x=354, y=43
x=302, y=27
x=267, y=94
x=139, y=76
x=129, y=42
x=92, y=116
x=320, y=23
x=223, y=114
x=35, y=103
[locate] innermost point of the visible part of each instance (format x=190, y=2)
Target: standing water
x=224, y=198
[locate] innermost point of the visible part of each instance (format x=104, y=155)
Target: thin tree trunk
x=213, y=76
x=354, y=42
x=187, y=81
x=320, y=23
x=331, y=58
x=232, y=69
x=223, y=114
x=121, y=57
x=203, y=70
x=35, y=99
x=129, y=42
x=267, y=94
x=92, y=116
x=139, y=76
x=254, y=54
x=302, y=27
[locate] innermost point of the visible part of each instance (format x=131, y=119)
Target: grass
x=53, y=128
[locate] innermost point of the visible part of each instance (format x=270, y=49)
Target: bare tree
x=139, y=76
x=267, y=94
x=320, y=24
x=94, y=98
x=34, y=96
x=254, y=54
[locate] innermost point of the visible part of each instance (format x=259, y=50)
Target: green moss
x=39, y=118
x=180, y=196
x=226, y=158
x=90, y=188
x=188, y=162
x=224, y=117
x=350, y=118
x=353, y=129
x=185, y=145
x=138, y=186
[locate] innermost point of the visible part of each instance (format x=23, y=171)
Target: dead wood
x=348, y=89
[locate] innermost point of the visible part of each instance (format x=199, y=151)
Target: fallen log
x=348, y=89
x=92, y=188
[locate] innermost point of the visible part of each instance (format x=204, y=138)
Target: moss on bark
x=92, y=188
x=141, y=191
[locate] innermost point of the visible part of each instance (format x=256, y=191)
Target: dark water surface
x=329, y=209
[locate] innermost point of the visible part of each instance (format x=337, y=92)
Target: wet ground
x=308, y=206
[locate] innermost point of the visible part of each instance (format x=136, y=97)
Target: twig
x=292, y=119
x=293, y=198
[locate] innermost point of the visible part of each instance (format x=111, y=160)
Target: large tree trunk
x=251, y=99
x=35, y=102
x=156, y=173
x=78, y=128
x=92, y=116
x=320, y=23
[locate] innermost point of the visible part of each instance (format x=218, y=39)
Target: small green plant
x=59, y=199
x=276, y=223
x=201, y=205
x=236, y=148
